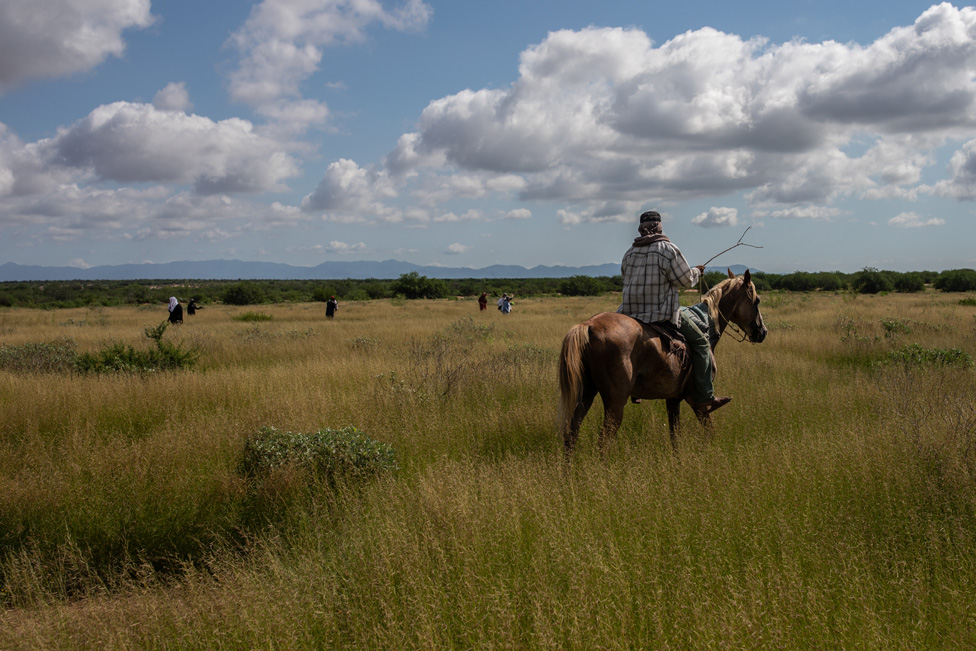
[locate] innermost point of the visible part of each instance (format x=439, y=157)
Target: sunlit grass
x=835, y=508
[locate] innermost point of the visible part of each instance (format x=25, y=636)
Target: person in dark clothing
x=331, y=306
x=191, y=307
x=175, y=310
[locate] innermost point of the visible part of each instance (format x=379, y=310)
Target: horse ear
x=747, y=277
x=731, y=275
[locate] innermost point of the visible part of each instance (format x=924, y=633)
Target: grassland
x=835, y=508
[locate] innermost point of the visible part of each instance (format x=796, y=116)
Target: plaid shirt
x=653, y=273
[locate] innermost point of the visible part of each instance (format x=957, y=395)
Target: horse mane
x=715, y=294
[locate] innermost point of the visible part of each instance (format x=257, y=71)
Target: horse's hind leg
x=613, y=416
x=674, y=420
x=572, y=432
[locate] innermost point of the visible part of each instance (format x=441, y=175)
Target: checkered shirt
x=652, y=275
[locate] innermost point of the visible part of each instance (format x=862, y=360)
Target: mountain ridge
x=244, y=270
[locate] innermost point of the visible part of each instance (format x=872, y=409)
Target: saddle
x=672, y=341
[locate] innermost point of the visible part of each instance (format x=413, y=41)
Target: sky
x=524, y=132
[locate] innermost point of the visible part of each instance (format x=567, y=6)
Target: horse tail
x=571, y=369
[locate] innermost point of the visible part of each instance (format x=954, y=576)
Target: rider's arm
x=682, y=274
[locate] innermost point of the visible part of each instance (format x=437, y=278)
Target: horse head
x=740, y=305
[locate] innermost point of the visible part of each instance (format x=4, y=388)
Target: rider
x=653, y=270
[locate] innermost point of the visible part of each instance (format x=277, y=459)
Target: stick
x=739, y=243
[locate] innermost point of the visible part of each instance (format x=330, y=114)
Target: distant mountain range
x=240, y=270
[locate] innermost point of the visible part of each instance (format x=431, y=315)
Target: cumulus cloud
x=174, y=97
x=717, y=218
x=457, y=248
x=348, y=191
x=342, y=248
x=51, y=38
x=962, y=170
x=912, y=220
x=825, y=213
x=517, y=213
x=604, y=115
x=137, y=143
x=281, y=45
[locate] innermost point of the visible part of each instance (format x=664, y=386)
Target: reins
x=701, y=290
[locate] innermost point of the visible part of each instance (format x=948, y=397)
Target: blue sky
x=470, y=134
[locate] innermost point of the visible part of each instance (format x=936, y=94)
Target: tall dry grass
x=834, y=508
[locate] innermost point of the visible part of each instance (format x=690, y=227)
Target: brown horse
x=619, y=357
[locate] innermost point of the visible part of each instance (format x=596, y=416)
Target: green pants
x=701, y=360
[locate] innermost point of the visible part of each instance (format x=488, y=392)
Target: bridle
x=742, y=336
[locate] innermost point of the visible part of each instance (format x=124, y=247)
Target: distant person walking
x=175, y=310
x=191, y=307
x=331, y=306
x=483, y=301
x=506, y=306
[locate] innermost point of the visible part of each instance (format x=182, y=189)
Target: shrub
x=50, y=357
x=916, y=355
x=243, y=293
x=872, y=281
x=957, y=280
x=327, y=454
x=119, y=357
x=253, y=316
x=910, y=283
x=413, y=285
x=582, y=286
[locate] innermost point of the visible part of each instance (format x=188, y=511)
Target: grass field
x=835, y=508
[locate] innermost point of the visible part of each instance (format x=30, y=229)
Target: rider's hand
x=700, y=268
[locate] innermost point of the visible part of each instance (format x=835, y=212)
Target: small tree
x=871, y=281
x=243, y=293
x=582, y=286
x=413, y=285
x=957, y=280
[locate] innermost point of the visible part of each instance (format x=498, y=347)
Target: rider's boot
x=711, y=405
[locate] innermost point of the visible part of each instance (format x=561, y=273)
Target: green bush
x=253, y=316
x=50, y=357
x=916, y=355
x=910, y=283
x=120, y=357
x=327, y=454
x=244, y=293
x=957, y=280
x=582, y=286
x=413, y=285
x=872, y=281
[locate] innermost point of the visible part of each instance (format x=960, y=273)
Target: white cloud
x=52, y=38
x=717, y=218
x=450, y=217
x=912, y=220
x=517, y=213
x=342, y=248
x=138, y=143
x=173, y=97
x=603, y=115
x=825, y=213
x=962, y=169
x=282, y=40
x=457, y=248
x=348, y=192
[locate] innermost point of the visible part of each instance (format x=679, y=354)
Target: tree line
x=58, y=294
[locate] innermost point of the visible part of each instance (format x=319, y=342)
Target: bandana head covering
x=173, y=303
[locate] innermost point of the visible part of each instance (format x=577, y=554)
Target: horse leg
x=613, y=416
x=674, y=420
x=572, y=432
x=705, y=419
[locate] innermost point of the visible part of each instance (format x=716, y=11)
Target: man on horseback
x=653, y=270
